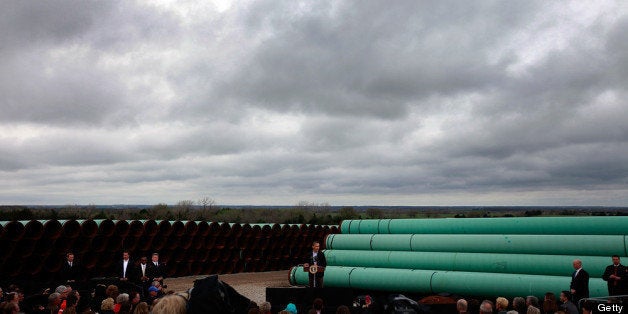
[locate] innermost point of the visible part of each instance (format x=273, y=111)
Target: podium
x=314, y=269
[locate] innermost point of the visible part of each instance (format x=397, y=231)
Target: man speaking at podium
x=316, y=258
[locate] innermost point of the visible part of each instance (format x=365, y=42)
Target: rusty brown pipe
x=178, y=228
x=33, y=229
x=165, y=228
x=202, y=228
x=136, y=229
x=150, y=228
x=89, y=228
x=122, y=228
x=190, y=228
x=82, y=245
x=106, y=227
x=99, y=243
x=114, y=243
x=14, y=231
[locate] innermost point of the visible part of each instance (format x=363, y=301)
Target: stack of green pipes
x=471, y=256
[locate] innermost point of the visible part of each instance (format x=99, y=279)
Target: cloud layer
x=276, y=102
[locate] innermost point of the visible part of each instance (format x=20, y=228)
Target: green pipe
x=587, y=245
x=434, y=282
x=552, y=265
x=517, y=225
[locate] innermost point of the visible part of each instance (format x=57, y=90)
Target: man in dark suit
x=579, y=282
x=71, y=273
x=316, y=258
x=124, y=268
x=614, y=275
x=156, y=271
x=141, y=276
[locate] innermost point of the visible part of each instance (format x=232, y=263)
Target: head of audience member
x=587, y=307
x=317, y=305
x=54, y=300
x=63, y=291
x=153, y=291
x=533, y=310
x=141, y=308
x=134, y=297
x=549, y=303
x=519, y=304
x=265, y=307
x=112, y=291
x=343, y=309
x=461, y=306
x=107, y=304
x=564, y=296
x=486, y=307
x=291, y=308
x=170, y=304
x=532, y=301
x=501, y=304
x=122, y=297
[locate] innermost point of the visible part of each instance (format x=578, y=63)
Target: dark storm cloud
x=55, y=55
x=371, y=59
x=409, y=102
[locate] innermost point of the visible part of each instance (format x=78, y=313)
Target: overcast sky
x=341, y=102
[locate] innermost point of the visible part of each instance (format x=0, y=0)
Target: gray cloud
x=260, y=102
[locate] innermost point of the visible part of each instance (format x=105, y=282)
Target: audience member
x=107, y=306
x=550, y=306
x=141, y=308
x=343, y=309
x=567, y=305
x=461, y=306
x=501, y=305
x=265, y=307
x=519, y=305
x=486, y=307
x=170, y=304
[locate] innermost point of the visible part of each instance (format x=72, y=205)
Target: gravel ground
x=250, y=285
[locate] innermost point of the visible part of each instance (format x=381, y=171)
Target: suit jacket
x=580, y=283
x=71, y=273
x=129, y=270
x=138, y=273
x=621, y=272
x=320, y=261
x=153, y=271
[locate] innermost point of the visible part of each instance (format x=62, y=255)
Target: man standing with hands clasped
x=615, y=275
x=579, y=282
x=316, y=258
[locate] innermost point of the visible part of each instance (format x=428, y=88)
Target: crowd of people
x=139, y=288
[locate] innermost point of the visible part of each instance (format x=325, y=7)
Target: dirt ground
x=250, y=285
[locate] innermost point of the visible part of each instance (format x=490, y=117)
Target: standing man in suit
x=614, y=275
x=124, y=268
x=141, y=275
x=316, y=258
x=71, y=271
x=156, y=271
x=579, y=282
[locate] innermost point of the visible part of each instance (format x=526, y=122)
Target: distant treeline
x=304, y=212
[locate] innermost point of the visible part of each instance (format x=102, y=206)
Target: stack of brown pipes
x=35, y=249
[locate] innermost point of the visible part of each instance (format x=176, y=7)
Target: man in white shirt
x=125, y=267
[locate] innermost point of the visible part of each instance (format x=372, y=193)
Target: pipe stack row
x=35, y=250
x=472, y=256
